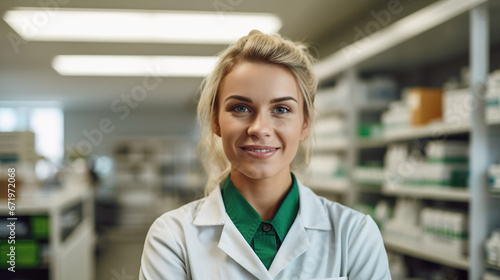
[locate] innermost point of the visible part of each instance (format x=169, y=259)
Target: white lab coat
x=326, y=241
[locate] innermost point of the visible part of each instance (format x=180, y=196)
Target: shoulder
x=180, y=217
x=356, y=233
x=207, y=211
x=340, y=217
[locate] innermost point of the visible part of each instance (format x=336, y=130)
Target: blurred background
x=98, y=127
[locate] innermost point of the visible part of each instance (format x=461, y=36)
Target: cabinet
x=55, y=229
x=423, y=49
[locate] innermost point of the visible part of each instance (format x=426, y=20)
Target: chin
x=259, y=172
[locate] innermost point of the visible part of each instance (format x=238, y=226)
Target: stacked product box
x=395, y=162
x=444, y=232
x=328, y=168
x=17, y=150
x=491, y=275
x=493, y=97
x=403, y=227
x=332, y=97
x=458, y=103
x=17, y=146
x=456, y=107
x=372, y=174
x=419, y=106
x=494, y=177
x=330, y=130
x=370, y=130
x=396, y=117
x=425, y=105
x=492, y=248
x=376, y=90
x=445, y=166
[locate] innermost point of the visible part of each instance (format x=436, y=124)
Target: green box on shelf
x=40, y=227
x=27, y=254
x=370, y=130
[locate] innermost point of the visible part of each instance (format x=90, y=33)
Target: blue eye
x=281, y=110
x=240, y=109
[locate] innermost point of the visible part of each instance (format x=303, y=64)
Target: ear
x=304, y=133
x=216, y=127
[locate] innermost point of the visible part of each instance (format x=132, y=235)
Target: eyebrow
x=281, y=99
x=275, y=100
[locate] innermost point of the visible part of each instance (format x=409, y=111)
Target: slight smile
x=259, y=152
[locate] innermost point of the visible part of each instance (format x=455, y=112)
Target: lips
x=259, y=152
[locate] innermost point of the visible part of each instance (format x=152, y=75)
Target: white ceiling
x=28, y=76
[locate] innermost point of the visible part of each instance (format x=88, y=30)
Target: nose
x=260, y=126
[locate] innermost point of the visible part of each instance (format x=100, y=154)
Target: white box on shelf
x=444, y=232
x=456, y=106
x=492, y=100
x=447, y=151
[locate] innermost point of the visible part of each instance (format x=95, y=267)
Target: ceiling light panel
x=118, y=65
x=137, y=25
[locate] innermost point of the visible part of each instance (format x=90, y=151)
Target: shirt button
x=266, y=227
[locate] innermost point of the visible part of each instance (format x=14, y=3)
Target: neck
x=265, y=195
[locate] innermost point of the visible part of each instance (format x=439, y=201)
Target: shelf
x=432, y=130
x=405, y=43
x=375, y=106
x=371, y=143
x=369, y=187
x=418, y=252
x=419, y=48
x=329, y=185
x=42, y=202
x=344, y=106
x=490, y=266
x=495, y=194
x=435, y=130
x=444, y=193
x=494, y=122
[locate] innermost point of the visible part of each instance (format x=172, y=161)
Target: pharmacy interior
x=407, y=131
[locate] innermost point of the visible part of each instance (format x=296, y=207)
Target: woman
x=258, y=221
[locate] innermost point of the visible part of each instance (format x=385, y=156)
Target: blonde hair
x=255, y=47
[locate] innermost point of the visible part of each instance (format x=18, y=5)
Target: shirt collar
x=247, y=220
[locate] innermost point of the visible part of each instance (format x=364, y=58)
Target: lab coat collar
x=211, y=211
x=311, y=211
x=311, y=216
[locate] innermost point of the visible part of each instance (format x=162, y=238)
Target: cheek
x=230, y=130
x=289, y=133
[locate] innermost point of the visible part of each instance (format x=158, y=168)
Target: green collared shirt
x=265, y=237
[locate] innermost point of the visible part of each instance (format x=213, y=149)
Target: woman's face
x=260, y=119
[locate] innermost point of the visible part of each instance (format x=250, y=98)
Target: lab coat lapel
x=236, y=247
x=231, y=242
x=311, y=216
x=295, y=244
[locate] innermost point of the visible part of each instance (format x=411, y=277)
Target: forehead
x=260, y=81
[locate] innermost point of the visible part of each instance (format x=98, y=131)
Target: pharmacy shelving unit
x=154, y=174
x=435, y=37
x=71, y=235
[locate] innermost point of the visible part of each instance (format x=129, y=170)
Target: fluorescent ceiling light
x=136, y=25
x=119, y=65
